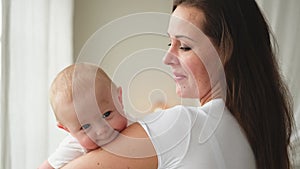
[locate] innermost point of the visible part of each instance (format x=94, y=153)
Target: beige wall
x=135, y=63
x=90, y=15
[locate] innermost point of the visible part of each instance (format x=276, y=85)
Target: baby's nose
x=102, y=130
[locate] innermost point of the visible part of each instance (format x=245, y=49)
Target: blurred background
x=126, y=38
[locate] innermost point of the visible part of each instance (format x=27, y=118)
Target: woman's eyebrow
x=182, y=37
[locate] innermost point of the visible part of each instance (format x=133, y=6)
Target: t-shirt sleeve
x=68, y=150
x=169, y=133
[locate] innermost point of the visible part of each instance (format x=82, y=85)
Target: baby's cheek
x=121, y=124
x=88, y=143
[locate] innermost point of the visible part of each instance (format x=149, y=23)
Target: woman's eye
x=184, y=48
x=106, y=114
x=85, y=126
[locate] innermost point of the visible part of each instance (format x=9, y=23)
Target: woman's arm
x=45, y=165
x=132, y=149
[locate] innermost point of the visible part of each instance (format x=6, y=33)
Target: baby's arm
x=68, y=150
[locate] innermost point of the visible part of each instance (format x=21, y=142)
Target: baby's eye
x=106, y=114
x=184, y=48
x=169, y=44
x=85, y=126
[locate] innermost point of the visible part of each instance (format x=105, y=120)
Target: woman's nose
x=170, y=58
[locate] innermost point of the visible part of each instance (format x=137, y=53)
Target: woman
x=244, y=121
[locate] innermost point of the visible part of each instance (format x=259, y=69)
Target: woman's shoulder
x=170, y=115
x=215, y=108
x=212, y=108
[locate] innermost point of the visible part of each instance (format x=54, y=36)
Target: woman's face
x=189, y=50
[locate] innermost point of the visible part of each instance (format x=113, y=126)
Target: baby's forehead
x=104, y=87
x=67, y=117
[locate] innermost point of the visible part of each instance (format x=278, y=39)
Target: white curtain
x=37, y=43
x=284, y=18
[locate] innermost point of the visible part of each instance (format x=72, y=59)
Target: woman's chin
x=186, y=95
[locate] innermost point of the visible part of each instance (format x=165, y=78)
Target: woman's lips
x=178, y=76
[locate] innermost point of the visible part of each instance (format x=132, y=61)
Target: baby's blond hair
x=75, y=79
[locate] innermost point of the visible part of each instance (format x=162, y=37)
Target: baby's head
x=87, y=104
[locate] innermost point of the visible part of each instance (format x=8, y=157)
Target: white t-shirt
x=205, y=137
x=68, y=150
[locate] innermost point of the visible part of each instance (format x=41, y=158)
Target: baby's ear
x=59, y=125
x=119, y=90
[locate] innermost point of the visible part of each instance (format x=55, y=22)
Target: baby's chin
x=92, y=149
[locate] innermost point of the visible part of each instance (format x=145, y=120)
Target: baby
x=88, y=105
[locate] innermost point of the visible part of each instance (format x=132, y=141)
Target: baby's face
x=99, y=129
x=94, y=128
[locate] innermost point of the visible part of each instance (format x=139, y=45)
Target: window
x=0, y=50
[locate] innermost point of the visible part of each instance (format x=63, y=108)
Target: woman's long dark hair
x=256, y=94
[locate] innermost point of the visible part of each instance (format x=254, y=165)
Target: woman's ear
x=119, y=90
x=59, y=125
